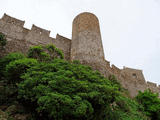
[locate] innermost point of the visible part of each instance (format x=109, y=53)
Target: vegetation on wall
x=3, y=40
x=45, y=53
x=49, y=88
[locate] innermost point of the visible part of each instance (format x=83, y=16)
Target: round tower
x=86, y=43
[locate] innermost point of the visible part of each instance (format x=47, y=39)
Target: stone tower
x=86, y=43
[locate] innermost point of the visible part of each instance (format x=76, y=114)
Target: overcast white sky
x=130, y=29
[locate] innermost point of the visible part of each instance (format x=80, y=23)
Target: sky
x=130, y=29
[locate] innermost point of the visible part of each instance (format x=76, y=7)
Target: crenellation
x=38, y=35
x=40, y=30
x=12, y=20
x=115, y=69
x=151, y=84
x=14, y=30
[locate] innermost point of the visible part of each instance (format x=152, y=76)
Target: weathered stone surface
x=86, y=43
x=64, y=44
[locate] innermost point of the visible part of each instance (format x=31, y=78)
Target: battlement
x=150, y=84
x=115, y=69
x=134, y=73
x=12, y=20
x=40, y=31
x=58, y=37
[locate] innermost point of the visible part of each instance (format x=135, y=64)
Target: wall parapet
x=40, y=31
x=15, y=31
x=115, y=69
x=151, y=84
x=12, y=20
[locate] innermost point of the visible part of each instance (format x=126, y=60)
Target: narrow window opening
x=134, y=75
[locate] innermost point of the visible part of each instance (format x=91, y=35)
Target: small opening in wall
x=134, y=75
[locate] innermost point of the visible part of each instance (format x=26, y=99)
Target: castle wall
x=12, y=20
x=15, y=45
x=86, y=46
x=133, y=80
x=12, y=27
x=38, y=35
x=20, y=39
x=64, y=44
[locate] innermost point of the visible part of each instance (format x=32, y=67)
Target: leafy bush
x=3, y=40
x=45, y=53
x=7, y=59
x=8, y=94
x=125, y=108
x=67, y=91
x=114, y=82
x=54, y=52
x=150, y=102
x=16, y=68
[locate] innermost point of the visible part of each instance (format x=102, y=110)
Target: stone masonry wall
x=64, y=44
x=19, y=39
x=86, y=39
x=134, y=81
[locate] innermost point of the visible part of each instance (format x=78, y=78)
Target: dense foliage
x=50, y=88
x=67, y=91
x=6, y=60
x=8, y=93
x=45, y=53
x=16, y=68
x=151, y=103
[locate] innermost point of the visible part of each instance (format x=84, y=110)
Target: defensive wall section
x=19, y=39
x=85, y=46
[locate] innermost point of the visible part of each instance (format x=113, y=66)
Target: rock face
x=85, y=46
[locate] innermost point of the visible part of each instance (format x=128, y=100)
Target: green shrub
x=16, y=68
x=54, y=52
x=115, y=82
x=8, y=94
x=150, y=102
x=67, y=91
x=7, y=59
x=125, y=108
x=45, y=53
x=3, y=40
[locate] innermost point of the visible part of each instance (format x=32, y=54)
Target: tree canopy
x=51, y=88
